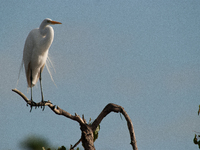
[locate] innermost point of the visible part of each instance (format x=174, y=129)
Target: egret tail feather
x=49, y=63
x=20, y=69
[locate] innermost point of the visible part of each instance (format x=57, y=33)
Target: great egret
x=35, y=52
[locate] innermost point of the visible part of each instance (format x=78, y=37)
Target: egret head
x=49, y=21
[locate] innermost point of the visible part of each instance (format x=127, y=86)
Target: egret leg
x=31, y=92
x=41, y=88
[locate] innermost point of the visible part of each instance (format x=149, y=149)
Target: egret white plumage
x=35, y=52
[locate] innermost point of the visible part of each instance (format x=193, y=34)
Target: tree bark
x=87, y=137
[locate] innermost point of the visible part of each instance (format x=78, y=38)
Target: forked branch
x=87, y=130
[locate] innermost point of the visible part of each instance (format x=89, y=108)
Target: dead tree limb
x=116, y=108
x=57, y=110
x=87, y=130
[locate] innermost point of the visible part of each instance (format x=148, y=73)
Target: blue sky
x=142, y=55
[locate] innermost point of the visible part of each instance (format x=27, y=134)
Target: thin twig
x=72, y=147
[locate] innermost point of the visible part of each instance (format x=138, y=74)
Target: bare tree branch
x=116, y=108
x=87, y=130
x=57, y=110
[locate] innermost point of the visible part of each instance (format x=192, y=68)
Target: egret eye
x=48, y=21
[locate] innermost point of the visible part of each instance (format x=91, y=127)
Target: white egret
x=35, y=52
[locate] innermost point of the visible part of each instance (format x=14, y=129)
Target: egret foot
x=32, y=104
x=43, y=107
x=43, y=104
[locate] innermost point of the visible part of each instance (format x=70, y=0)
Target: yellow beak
x=55, y=22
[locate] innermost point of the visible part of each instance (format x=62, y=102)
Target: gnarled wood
x=87, y=137
x=87, y=130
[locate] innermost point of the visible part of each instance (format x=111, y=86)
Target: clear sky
x=142, y=55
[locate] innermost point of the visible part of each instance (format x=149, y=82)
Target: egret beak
x=55, y=22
